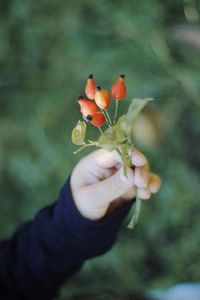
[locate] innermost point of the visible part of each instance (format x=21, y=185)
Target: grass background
x=47, y=49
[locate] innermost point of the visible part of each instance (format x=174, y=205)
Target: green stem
x=103, y=112
x=119, y=152
x=116, y=110
x=136, y=213
x=100, y=129
x=108, y=117
x=83, y=147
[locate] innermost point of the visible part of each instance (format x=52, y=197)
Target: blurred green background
x=47, y=50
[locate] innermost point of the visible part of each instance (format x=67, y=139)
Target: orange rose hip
x=102, y=98
x=90, y=87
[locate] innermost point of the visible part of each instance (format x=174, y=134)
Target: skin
x=99, y=187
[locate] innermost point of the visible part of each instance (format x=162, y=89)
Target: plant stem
x=84, y=146
x=100, y=129
x=116, y=109
x=136, y=213
x=108, y=117
x=103, y=112
x=120, y=154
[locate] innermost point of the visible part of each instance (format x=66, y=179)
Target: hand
x=98, y=185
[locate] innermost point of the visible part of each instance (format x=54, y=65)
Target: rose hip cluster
x=100, y=98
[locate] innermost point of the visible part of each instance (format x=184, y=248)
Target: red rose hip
x=97, y=119
x=118, y=89
x=87, y=107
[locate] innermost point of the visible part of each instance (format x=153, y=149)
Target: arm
x=43, y=253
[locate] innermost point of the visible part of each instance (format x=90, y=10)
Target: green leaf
x=111, y=138
x=79, y=133
x=136, y=213
x=121, y=131
x=124, y=149
x=135, y=108
x=126, y=121
x=122, y=124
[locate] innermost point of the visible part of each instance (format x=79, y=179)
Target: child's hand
x=99, y=186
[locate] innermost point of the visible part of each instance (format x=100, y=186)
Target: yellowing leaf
x=79, y=133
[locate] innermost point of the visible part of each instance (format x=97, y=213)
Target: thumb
x=111, y=188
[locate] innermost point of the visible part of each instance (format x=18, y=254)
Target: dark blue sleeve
x=43, y=253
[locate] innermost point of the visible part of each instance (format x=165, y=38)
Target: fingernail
x=139, y=160
x=144, y=194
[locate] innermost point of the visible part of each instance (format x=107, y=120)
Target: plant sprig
x=119, y=133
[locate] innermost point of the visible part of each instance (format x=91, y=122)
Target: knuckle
x=115, y=183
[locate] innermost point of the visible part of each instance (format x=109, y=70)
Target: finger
x=154, y=182
x=143, y=194
x=129, y=195
x=111, y=188
x=114, y=205
x=108, y=159
x=141, y=176
x=138, y=159
x=89, y=171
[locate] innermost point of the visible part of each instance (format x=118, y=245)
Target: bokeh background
x=47, y=50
